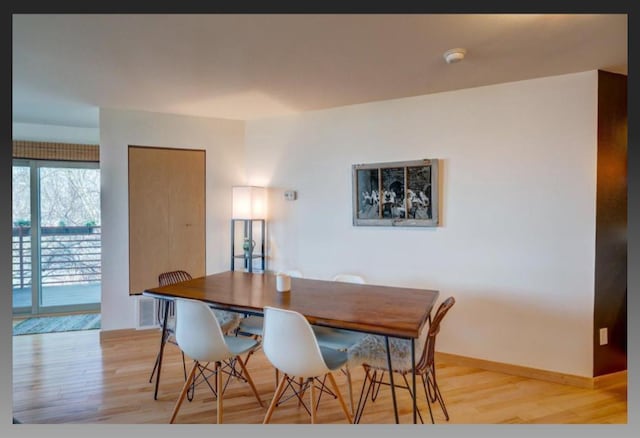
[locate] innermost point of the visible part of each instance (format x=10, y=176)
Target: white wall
x=55, y=133
x=223, y=141
x=516, y=243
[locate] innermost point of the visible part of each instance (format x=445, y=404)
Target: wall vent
x=147, y=315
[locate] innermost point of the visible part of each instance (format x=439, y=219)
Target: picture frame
x=400, y=193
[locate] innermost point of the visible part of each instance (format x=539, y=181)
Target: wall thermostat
x=290, y=195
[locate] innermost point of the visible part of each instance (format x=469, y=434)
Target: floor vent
x=147, y=315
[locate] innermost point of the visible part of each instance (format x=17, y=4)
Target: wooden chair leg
x=183, y=393
x=274, y=400
x=313, y=401
x=342, y=403
x=248, y=377
x=218, y=369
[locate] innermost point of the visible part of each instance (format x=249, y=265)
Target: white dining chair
x=253, y=325
x=200, y=337
x=349, y=278
x=229, y=321
x=339, y=339
x=291, y=346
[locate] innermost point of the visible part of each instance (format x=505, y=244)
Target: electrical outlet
x=604, y=336
x=290, y=195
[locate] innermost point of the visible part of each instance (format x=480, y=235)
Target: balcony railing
x=68, y=255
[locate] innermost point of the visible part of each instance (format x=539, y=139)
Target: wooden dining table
x=396, y=312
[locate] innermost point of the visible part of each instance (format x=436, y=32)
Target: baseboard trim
x=535, y=373
x=610, y=379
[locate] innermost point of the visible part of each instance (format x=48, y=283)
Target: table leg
x=413, y=378
x=164, y=334
x=393, y=387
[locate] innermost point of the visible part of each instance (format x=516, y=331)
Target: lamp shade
x=249, y=202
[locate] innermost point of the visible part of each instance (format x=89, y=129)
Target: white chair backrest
x=290, y=344
x=293, y=273
x=349, y=278
x=198, y=332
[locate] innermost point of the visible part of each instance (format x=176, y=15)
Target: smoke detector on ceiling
x=454, y=55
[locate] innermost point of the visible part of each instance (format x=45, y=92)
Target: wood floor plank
x=72, y=377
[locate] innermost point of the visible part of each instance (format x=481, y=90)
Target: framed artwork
x=403, y=193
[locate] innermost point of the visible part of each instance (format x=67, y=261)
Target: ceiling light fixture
x=454, y=55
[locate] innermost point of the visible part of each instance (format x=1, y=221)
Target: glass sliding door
x=69, y=236
x=66, y=254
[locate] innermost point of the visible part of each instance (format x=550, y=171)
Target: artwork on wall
x=401, y=193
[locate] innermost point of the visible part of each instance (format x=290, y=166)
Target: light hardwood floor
x=74, y=378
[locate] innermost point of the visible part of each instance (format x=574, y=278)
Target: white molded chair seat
x=240, y=344
x=337, y=339
x=200, y=336
x=291, y=346
x=229, y=321
x=251, y=325
x=334, y=359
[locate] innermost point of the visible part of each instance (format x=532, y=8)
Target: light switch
x=604, y=336
x=290, y=195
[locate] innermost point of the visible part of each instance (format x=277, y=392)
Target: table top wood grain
x=384, y=310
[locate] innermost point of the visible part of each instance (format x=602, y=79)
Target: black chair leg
x=376, y=390
x=362, y=401
x=426, y=393
x=436, y=389
x=432, y=393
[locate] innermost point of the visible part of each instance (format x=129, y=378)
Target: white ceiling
x=254, y=66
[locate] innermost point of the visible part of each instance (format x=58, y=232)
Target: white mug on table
x=283, y=282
